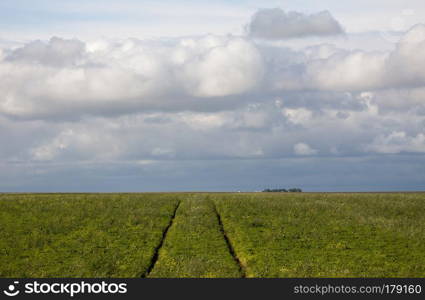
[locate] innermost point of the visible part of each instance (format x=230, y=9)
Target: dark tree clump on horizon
x=293, y=190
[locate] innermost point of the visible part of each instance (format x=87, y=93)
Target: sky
x=137, y=96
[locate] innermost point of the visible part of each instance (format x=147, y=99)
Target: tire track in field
x=164, y=235
x=229, y=244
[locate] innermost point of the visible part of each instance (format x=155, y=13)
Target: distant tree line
x=293, y=190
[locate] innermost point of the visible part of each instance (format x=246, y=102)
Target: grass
x=327, y=235
x=272, y=235
x=195, y=246
x=80, y=235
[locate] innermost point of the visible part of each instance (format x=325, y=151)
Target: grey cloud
x=131, y=107
x=57, y=52
x=257, y=131
x=397, y=142
x=276, y=24
x=67, y=79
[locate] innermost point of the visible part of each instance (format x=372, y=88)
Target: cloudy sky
x=169, y=95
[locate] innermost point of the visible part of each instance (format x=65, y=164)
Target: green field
x=212, y=235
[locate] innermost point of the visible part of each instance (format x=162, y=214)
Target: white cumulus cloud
x=69, y=76
x=303, y=149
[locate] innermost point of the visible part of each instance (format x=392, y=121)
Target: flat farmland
x=81, y=235
x=179, y=235
x=327, y=235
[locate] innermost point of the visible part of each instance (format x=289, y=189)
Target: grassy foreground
x=212, y=235
x=195, y=246
x=80, y=235
x=327, y=235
